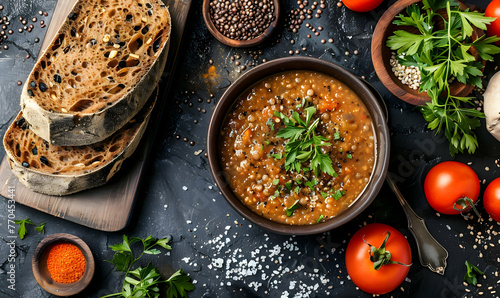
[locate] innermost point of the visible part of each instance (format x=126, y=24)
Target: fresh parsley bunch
x=304, y=144
x=144, y=281
x=443, y=55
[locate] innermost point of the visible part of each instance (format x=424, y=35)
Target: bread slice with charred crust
x=98, y=71
x=62, y=170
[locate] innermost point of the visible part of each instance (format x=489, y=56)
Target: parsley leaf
x=320, y=218
x=291, y=209
x=442, y=53
x=179, y=283
x=303, y=144
x=338, y=194
x=472, y=273
x=144, y=281
x=21, y=231
x=40, y=228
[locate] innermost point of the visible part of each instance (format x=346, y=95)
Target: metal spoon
x=430, y=252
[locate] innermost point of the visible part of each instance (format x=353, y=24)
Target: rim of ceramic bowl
x=380, y=128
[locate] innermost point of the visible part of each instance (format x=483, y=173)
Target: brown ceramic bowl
x=381, y=133
x=381, y=55
x=239, y=43
x=42, y=275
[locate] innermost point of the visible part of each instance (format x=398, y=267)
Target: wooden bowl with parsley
x=404, y=32
x=298, y=146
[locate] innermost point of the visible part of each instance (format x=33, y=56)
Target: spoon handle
x=431, y=254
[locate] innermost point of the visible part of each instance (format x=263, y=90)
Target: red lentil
x=66, y=263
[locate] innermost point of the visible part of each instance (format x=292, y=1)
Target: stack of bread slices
x=85, y=104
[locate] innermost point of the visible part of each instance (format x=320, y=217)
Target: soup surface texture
x=298, y=147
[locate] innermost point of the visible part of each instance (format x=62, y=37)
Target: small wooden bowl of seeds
x=404, y=82
x=241, y=23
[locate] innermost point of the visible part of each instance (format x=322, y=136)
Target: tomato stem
x=465, y=203
x=380, y=256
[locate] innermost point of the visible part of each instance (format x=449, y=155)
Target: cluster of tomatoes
x=378, y=256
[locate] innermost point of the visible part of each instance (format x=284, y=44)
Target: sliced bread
x=98, y=71
x=63, y=170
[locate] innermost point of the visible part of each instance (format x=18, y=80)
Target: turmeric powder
x=66, y=263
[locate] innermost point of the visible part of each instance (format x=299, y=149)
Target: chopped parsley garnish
x=276, y=181
x=303, y=144
x=349, y=155
x=297, y=189
x=270, y=123
x=276, y=155
x=320, y=218
x=324, y=195
x=288, y=185
x=291, y=209
x=336, y=136
x=338, y=194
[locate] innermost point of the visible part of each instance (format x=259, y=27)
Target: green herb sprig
x=442, y=55
x=22, y=230
x=304, y=145
x=144, y=281
x=472, y=273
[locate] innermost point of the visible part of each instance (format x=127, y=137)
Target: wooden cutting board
x=109, y=207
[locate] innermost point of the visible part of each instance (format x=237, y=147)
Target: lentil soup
x=298, y=147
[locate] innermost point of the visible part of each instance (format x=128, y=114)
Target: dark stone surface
x=222, y=252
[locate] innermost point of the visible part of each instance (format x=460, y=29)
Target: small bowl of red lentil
x=241, y=23
x=298, y=145
x=63, y=264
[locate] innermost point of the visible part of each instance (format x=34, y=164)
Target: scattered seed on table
x=308, y=35
x=37, y=40
x=316, y=33
x=297, y=52
x=5, y=47
x=339, y=4
x=487, y=168
x=356, y=52
x=210, y=61
x=323, y=41
x=292, y=41
x=290, y=52
x=185, y=139
x=19, y=83
x=1, y=7
x=237, y=63
x=34, y=19
x=20, y=30
x=347, y=53
x=195, y=121
x=45, y=14
x=304, y=49
x=10, y=31
x=191, y=143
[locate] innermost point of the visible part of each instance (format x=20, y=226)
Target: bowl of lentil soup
x=63, y=264
x=294, y=149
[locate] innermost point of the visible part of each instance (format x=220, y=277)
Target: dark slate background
x=225, y=254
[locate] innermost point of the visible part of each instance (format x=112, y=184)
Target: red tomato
x=447, y=183
x=362, y=5
x=493, y=10
x=361, y=269
x=491, y=199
